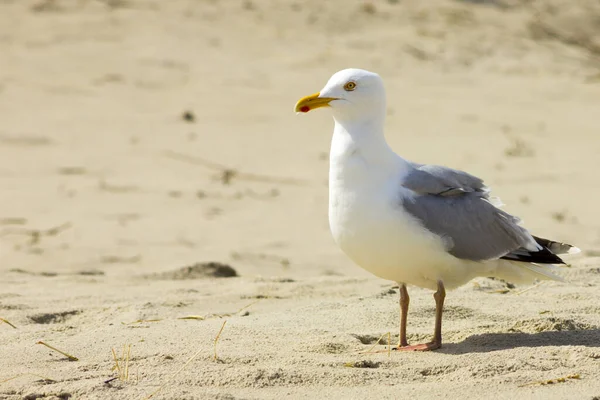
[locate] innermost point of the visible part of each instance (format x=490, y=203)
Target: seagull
x=416, y=224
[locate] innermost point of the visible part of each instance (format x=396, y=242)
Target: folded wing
x=456, y=206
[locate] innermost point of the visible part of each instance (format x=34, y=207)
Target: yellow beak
x=311, y=102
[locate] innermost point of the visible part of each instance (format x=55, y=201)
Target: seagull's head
x=351, y=93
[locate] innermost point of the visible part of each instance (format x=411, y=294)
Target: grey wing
x=435, y=179
x=455, y=206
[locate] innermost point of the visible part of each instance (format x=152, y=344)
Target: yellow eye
x=350, y=86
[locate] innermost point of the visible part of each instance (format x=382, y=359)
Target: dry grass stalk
x=8, y=323
x=376, y=343
x=529, y=288
x=69, y=357
x=141, y=321
x=117, y=366
x=498, y=291
x=552, y=381
x=46, y=379
x=196, y=317
x=127, y=362
x=248, y=306
x=223, y=315
x=122, y=367
x=217, y=340
x=184, y=365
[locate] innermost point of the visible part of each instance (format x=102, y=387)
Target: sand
x=142, y=140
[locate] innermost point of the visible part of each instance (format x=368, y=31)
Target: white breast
x=370, y=225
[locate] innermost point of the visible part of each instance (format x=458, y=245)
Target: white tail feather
x=523, y=272
x=573, y=250
x=544, y=271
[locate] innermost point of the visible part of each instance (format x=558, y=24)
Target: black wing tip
x=543, y=256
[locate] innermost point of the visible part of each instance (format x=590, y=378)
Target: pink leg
x=436, y=343
x=404, y=302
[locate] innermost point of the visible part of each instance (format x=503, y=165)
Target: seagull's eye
x=350, y=86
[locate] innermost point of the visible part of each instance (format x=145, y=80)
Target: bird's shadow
x=488, y=342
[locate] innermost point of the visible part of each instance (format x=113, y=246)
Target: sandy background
x=110, y=192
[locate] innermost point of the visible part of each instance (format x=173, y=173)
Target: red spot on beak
x=305, y=109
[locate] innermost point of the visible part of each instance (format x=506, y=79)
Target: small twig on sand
x=70, y=357
x=227, y=174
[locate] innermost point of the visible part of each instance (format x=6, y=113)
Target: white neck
x=362, y=142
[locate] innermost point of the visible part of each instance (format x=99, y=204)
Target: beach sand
x=156, y=184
